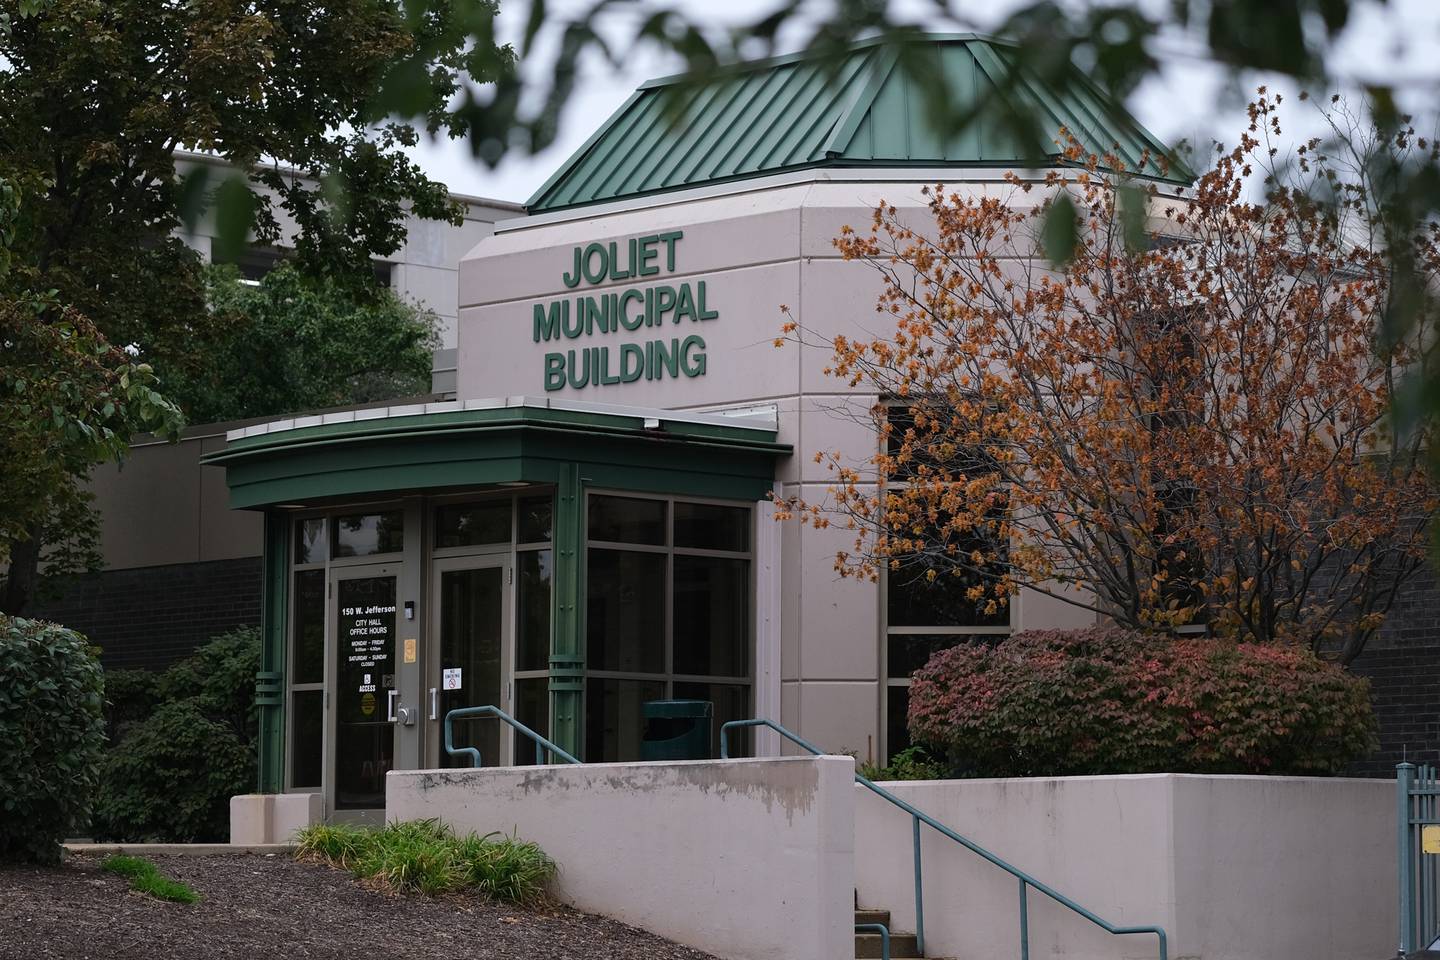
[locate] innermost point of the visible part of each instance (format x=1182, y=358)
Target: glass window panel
x=364, y=534
x=537, y=516
x=627, y=520
x=613, y=717
x=708, y=526
x=625, y=611
x=308, y=632
x=471, y=631
x=914, y=601
x=532, y=641
x=731, y=702
x=712, y=616
x=364, y=753
x=307, y=712
x=472, y=524
x=906, y=654
x=532, y=708
x=934, y=443
x=897, y=729
x=310, y=541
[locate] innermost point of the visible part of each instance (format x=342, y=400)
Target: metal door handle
x=434, y=703
x=390, y=696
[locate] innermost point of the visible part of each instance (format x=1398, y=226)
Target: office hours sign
x=366, y=633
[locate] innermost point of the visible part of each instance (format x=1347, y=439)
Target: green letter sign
x=604, y=313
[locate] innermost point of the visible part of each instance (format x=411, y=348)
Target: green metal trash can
x=676, y=729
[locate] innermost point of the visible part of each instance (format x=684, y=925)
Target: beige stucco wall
x=744, y=859
x=161, y=507
x=756, y=248
x=1232, y=867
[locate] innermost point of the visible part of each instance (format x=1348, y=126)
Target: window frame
x=293, y=519
x=889, y=632
x=669, y=677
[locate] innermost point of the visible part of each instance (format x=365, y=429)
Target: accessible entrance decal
x=655, y=308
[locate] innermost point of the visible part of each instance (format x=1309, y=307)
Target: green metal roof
x=869, y=108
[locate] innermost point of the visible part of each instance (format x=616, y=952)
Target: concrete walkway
x=177, y=849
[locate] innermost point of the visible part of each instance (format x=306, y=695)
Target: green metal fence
x=1418, y=818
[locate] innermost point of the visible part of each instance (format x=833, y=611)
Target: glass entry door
x=470, y=654
x=365, y=690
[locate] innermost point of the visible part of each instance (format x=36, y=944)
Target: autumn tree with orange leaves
x=1187, y=420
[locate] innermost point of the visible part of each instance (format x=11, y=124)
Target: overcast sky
x=1191, y=99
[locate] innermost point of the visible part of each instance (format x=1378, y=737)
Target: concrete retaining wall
x=1234, y=868
x=745, y=859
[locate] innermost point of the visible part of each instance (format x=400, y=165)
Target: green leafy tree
x=68, y=400
x=96, y=98
x=293, y=342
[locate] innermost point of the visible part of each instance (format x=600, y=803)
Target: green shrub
x=146, y=877
x=425, y=856
x=52, y=732
x=130, y=697
x=221, y=674
x=912, y=763
x=1109, y=701
x=171, y=779
x=172, y=772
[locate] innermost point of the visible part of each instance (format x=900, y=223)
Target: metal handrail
x=884, y=932
x=919, y=817
x=541, y=744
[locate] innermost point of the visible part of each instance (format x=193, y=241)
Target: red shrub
x=1050, y=702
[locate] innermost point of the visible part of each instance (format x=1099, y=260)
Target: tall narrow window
x=307, y=655
x=926, y=613
x=534, y=583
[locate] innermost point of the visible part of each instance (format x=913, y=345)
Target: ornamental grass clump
x=425, y=856
x=1107, y=701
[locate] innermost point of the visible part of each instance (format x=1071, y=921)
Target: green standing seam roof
x=870, y=109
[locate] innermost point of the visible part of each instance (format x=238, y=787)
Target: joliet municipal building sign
x=668, y=313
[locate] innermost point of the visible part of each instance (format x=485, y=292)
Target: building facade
x=588, y=525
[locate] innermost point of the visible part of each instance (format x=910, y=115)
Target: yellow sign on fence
x=1430, y=838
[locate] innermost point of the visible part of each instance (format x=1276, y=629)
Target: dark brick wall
x=1405, y=688
x=150, y=616
x=1403, y=664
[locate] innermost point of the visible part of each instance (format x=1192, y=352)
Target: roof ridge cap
x=798, y=56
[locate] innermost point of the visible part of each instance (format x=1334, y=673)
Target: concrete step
x=872, y=916
x=902, y=945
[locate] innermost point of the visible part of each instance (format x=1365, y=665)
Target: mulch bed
x=270, y=907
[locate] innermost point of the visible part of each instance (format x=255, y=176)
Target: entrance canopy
x=549, y=557
x=510, y=440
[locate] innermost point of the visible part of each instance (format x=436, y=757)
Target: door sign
x=367, y=645
x=450, y=678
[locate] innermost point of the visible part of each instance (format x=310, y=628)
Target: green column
x=270, y=681
x=567, y=648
